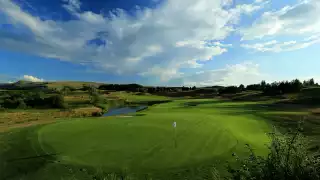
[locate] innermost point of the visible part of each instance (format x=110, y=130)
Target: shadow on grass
x=19, y=154
x=21, y=157
x=140, y=114
x=150, y=103
x=285, y=122
x=198, y=103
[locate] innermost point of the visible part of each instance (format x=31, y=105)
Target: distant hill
x=23, y=85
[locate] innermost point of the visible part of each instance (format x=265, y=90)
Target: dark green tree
x=241, y=87
x=263, y=85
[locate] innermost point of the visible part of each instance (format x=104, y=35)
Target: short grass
x=206, y=134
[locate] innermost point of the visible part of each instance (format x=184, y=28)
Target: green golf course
x=207, y=132
x=148, y=141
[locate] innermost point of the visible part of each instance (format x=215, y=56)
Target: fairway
x=204, y=133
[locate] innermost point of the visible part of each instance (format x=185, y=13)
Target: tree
x=57, y=101
x=65, y=90
x=311, y=82
x=95, y=99
x=296, y=86
x=21, y=104
x=263, y=85
x=229, y=90
x=92, y=90
x=241, y=87
x=254, y=87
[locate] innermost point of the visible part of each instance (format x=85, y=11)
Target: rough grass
x=19, y=118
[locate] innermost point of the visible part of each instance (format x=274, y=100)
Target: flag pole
x=175, y=134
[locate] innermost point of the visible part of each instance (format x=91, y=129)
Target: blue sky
x=160, y=42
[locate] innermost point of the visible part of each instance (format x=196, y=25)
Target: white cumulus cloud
x=157, y=41
x=32, y=78
x=300, y=19
x=275, y=46
x=235, y=74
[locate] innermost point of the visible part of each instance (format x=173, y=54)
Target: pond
x=124, y=110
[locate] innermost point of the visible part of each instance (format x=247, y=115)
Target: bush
x=2, y=108
x=229, y=90
x=97, y=114
x=21, y=104
x=288, y=159
x=10, y=103
x=57, y=101
x=102, y=106
x=95, y=99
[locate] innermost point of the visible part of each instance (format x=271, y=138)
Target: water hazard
x=124, y=110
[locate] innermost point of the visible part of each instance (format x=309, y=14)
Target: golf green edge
x=146, y=143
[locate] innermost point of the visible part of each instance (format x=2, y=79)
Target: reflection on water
x=124, y=110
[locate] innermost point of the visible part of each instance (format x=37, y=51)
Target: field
x=208, y=132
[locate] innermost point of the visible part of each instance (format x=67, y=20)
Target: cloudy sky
x=160, y=42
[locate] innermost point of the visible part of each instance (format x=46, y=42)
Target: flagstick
x=175, y=134
x=175, y=138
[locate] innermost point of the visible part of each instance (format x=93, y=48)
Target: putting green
x=149, y=141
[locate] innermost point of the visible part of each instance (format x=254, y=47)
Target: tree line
x=140, y=88
x=31, y=99
x=274, y=88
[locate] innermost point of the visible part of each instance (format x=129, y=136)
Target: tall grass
x=288, y=159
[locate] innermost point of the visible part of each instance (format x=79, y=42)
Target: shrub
x=33, y=99
x=21, y=104
x=2, y=108
x=102, y=106
x=229, y=90
x=10, y=103
x=95, y=99
x=288, y=159
x=97, y=114
x=57, y=101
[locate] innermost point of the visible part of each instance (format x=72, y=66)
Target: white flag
x=174, y=124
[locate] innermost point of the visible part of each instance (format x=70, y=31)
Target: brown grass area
x=12, y=119
x=315, y=111
x=76, y=98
